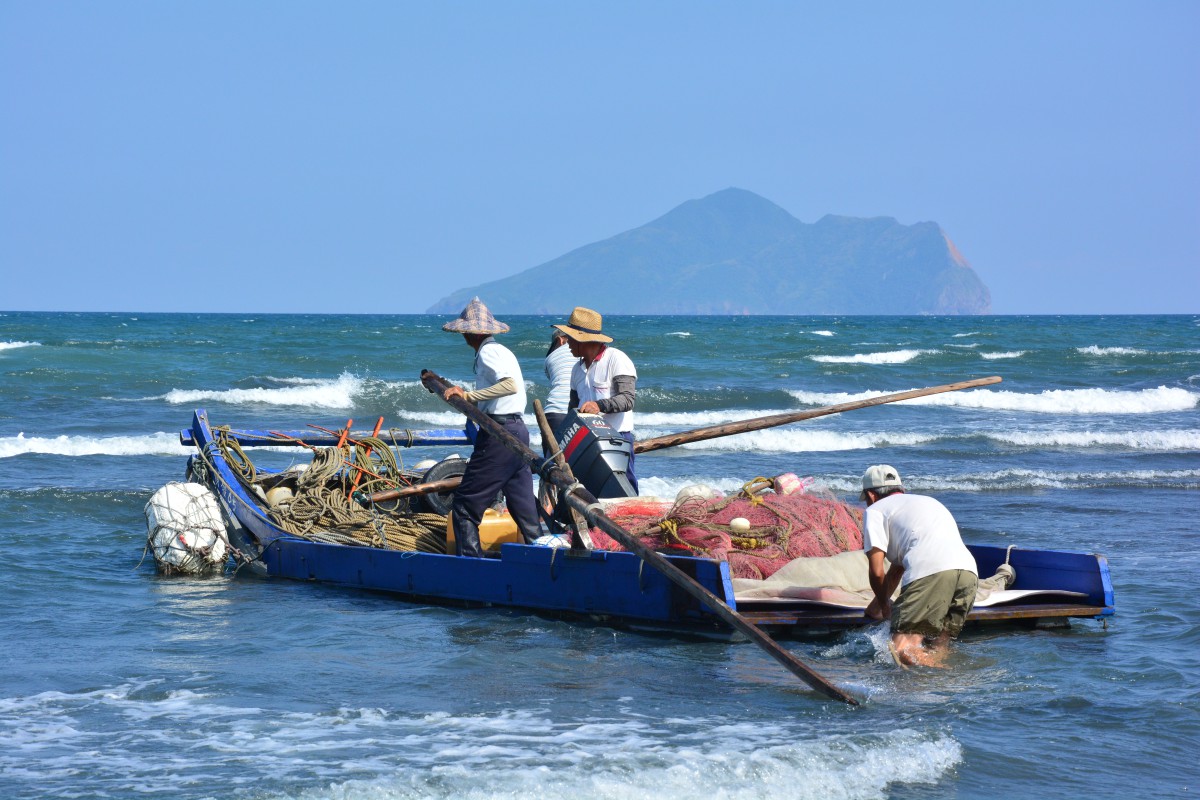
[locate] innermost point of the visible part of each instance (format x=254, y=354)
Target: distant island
x=735, y=252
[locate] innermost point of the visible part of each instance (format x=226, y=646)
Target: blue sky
x=372, y=157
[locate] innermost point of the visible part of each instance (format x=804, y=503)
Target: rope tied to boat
x=319, y=508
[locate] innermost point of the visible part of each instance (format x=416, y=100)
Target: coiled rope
x=320, y=510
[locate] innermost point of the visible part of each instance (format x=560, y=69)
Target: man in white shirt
x=559, y=365
x=604, y=380
x=500, y=393
x=935, y=571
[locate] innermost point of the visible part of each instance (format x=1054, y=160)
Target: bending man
x=929, y=562
x=499, y=393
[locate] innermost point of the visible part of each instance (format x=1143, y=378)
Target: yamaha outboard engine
x=597, y=454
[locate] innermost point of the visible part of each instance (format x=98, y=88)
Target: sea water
x=117, y=682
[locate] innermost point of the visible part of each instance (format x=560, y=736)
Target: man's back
x=917, y=532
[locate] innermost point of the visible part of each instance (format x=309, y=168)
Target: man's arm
x=884, y=581
x=501, y=388
x=622, y=397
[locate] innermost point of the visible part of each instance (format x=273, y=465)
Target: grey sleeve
x=623, y=395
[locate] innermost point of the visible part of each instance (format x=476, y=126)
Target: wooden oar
x=580, y=540
x=759, y=423
x=582, y=501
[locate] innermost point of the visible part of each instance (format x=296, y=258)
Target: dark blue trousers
x=628, y=436
x=494, y=468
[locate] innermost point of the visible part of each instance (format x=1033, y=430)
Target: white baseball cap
x=880, y=476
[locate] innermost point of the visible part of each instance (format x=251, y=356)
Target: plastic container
x=496, y=528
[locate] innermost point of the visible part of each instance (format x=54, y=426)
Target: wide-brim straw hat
x=584, y=326
x=476, y=318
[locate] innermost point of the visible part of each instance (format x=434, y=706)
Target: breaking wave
x=14, y=345
x=1010, y=354
x=310, y=393
x=889, y=357
x=1095, y=350
x=383, y=753
x=155, y=444
x=1051, y=401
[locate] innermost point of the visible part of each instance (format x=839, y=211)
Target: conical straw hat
x=475, y=318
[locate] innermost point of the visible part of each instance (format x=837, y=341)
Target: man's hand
x=454, y=391
x=590, y=407
x=879, y=611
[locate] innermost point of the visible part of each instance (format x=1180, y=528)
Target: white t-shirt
x=595, y=383
x=559, y=365
x=493, y=363
x=918, y=533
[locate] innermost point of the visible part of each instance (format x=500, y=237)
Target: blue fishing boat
x=623, y=589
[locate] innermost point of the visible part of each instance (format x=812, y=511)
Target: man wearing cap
x=604, y=380
x=500, y=393
x=935, y=571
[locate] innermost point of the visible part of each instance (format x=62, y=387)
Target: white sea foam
x=1051, y=401
x=962, y=335
x=1161, y=440
x=155, y=444
x=1095, y=350
x=822, y=333
x=1010, y=480
x=887, y=357
x=1008, y=354
x=682, y=334
x=14, y=345
x=376, y=753
x=336, y=393
x=782, y=440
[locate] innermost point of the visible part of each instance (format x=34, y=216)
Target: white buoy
x=698, y=490
x=739, y=525
x=185, y=531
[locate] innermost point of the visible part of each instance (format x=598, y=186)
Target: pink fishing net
x=782, y=527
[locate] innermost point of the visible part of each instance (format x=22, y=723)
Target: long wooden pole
x=775, y=420
x=582, y=501
x=433, y=487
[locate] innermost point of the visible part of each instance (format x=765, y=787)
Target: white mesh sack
x=185, y=531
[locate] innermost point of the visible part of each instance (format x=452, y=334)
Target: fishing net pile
x=318, y=501
x=782, y=527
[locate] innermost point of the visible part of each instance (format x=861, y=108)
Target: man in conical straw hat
x=604, y=380
x=500, y=393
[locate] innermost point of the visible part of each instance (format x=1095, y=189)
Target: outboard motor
x=597, y=454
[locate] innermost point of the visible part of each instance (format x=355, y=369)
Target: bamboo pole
x=582, y=501
x=775, y=420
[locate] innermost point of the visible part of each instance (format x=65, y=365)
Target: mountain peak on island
x=735, y=252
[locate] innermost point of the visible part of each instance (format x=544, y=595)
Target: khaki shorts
x=936, y=603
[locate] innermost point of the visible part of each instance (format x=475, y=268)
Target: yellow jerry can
x=496, y=528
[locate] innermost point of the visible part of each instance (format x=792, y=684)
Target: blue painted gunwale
x=615, y=587
x=607, y=585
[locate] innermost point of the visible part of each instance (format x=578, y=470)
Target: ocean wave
x=783, y=440
x=14, y=345
x=1095, y=350
x=1009, y=354
x=1051, y=401
x=822, y=333
x=336, y=393
x=962, y=335
x=888, y=357
x=1009, y=480
x=682, y=334
x=373, y=752
x=1163, y=441
x=155, y=444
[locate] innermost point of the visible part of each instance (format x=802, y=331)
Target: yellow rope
x=320, y=510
